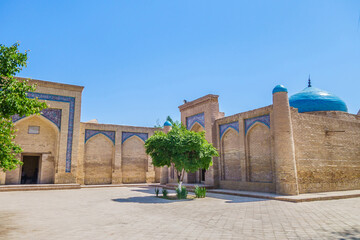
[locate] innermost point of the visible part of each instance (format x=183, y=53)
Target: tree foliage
x=13, y=100
x=188, y=151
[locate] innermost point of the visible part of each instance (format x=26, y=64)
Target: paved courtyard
x=134, y=213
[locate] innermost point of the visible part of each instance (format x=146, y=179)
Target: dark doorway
x=30, y=170
x=203, y=171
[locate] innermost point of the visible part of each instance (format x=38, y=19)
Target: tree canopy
x=13, y=100
x=188, y=151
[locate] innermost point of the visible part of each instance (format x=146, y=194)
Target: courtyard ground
x=134, y=213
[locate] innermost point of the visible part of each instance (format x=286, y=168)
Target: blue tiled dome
x=167, y=123
x=313, y=99
x=279, y=88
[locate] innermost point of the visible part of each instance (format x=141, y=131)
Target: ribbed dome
x=313, y=99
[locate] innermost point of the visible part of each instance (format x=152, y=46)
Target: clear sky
x=139, y=60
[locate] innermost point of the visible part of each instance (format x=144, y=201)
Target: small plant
x=181, y=193
x=200, y=192
x=164, y=193
x=157, y=190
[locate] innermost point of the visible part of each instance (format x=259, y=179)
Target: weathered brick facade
x=270, y=149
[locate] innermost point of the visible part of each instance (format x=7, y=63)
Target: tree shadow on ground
x=227, y=198
x=348, y=234
x=143, y=199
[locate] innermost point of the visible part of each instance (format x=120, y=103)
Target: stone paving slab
x=36, y=187
x=135, y=213
x=308, y=197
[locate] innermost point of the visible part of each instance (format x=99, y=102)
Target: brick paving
x=134, y=213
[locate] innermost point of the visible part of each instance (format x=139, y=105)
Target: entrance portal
x=30, y=170
x=202, y=171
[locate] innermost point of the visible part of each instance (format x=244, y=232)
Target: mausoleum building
x=302, y=144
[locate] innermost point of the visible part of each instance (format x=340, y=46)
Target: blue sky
x=138, y=60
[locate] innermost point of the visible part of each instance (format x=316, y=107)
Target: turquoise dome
x=167, y=123
x=279, y=88
x=313, y=99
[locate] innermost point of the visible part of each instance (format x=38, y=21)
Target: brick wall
x=327, y=149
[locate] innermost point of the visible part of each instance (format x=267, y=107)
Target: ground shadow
x=228, y=198
x=349, y=234
x=143, y=199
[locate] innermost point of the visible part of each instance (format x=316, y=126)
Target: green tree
x=188, y=151
x=13, y=100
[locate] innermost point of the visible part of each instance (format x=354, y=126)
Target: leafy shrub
x=200, y=192
x=157, y=190
x=181, y=193
x=164, y=193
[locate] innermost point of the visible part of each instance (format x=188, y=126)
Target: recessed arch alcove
x=134, y=160
x=259, y=164
x=230, y=155
x=99, y=154
x=42, y=144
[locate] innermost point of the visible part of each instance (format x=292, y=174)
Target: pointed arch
x=134, y=160
x=230, y=155
x=259, y=158
x=99, y=154
x=44, y=144
x=41, y=118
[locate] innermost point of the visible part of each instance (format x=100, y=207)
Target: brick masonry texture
x=269, y=149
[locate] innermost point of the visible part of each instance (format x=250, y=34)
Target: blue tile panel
x=224, y=127
x=127, y=135
x=199, y=118
x=89, y=133
x=54, y=115
x=71, y=101
x=265, y=119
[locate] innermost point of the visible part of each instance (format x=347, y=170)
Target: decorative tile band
x=52, y=114
x=71, y=101
x=127, y=135
x=224, y=127
x=265, y=119
x=199, y=118
x=89, y=133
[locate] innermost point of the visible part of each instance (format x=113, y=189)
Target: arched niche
x=43, y=145
x=99, y=154
x=134, y=160
x=259, y=153
x=195, y=177
x=231, y=155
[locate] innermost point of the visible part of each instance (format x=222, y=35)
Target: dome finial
x=309, y=81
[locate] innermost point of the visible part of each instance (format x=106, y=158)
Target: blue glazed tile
x=127, y=135
x=89, y=133
x=199, y=118
x=224, y=127
x=265, y=119
x=71, y=101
